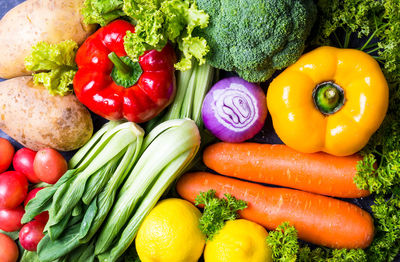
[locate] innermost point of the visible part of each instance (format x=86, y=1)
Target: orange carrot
x=319, y=219
x=319, y=173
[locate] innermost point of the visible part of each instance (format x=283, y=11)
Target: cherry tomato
x=8, y=249
x=23, y=162
x=13, y=189
x=6, y=154
x=42, y=217
x=31, y=234
x=49, y=165
x=10, y=219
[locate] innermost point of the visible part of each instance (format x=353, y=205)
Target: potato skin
x=30, y=115
x=30, y=22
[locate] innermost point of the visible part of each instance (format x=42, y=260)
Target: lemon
x=171, y=233
x=239, y=241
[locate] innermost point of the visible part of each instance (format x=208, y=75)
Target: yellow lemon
x=170, y=233
x=239, y=241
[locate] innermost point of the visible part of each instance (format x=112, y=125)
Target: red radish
x=10, y=219
x=6, y=154
x=44, y=216
x=23, y=162
x=8, y=249
x=13, y=189
x=31, y=234
x=49, y=165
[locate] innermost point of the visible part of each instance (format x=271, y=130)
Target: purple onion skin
x=234, y=110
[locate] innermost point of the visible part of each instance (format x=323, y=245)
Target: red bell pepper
x=113, y=86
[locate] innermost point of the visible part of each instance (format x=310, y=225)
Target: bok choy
x=167, y=151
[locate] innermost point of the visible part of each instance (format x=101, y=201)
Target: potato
x=30, y=115
x=52, y=21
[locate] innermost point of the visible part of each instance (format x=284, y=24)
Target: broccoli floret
x=256, y=37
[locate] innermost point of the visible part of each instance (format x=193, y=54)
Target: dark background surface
x=267, y=135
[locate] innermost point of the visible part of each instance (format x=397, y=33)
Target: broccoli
x=256, y=37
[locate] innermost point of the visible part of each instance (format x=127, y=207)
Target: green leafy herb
x=373, y=19
x=286, y=248
x=284, y=243
x=158, y=22
x=217, y=211
x=54, y=65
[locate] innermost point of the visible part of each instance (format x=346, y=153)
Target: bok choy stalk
x=43, y=200
x=192, y=86
x=117, y=144
x=168, y=150
x=79, y=202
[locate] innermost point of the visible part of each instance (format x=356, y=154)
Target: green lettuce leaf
x=102, y=11
x=160, y=21
x=54, y=65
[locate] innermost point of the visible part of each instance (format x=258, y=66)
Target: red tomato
x=8, y=249
x=13, y=189
x=31, y=234
x=6, y=154
x=49, y=165
x=44, y=216
x=23, y=162
x=10, y=219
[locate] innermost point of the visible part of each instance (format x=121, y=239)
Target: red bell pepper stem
x=115, y=87
x=119, y=64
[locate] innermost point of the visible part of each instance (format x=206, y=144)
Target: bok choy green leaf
x=168, y=150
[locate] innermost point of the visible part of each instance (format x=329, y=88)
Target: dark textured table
x=267, y=135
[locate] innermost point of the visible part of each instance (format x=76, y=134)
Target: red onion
x=234, y=110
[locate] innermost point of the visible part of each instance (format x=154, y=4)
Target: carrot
x=319, y=173
x=319, y=219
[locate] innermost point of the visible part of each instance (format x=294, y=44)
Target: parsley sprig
x=286, y=248
x=217, y=211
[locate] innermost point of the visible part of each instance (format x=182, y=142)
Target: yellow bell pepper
x=330, y=100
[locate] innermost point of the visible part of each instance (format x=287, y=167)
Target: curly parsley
x=286, y=248
x=217, y=211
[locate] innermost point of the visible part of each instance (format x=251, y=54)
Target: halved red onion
x=234, y=110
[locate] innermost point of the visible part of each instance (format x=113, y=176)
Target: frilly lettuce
x=157, y=22
x=102, y=11
x=54, y=65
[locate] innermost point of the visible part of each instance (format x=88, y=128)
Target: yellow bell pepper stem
x=328, y=97
x=330, y=100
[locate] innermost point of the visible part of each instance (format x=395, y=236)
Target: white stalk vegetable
x=176, y=140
